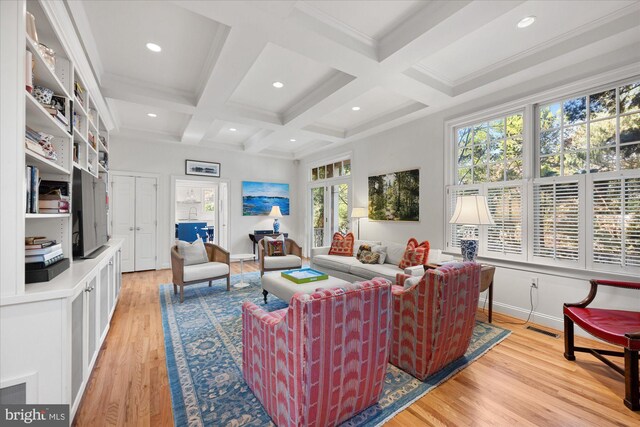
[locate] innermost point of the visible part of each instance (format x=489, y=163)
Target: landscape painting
x=259, y=197
x=395, y=196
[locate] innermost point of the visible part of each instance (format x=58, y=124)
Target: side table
x=242, y=258
x=486, y=282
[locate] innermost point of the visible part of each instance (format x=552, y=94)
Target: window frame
x=530, y=105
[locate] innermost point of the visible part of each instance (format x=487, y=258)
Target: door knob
x=131, y=228
x=138, y=228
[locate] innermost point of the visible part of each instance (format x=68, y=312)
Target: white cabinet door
x=123, y=217
x=145, y=246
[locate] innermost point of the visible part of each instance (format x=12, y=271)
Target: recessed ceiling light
x=526, y=21
x=154, y=115
x=355, y=108
x=278, y=85
x=153, y=47
x=292, y=140
x=233, y=129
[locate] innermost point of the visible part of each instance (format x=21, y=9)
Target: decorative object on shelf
x=359, y=213
x=40, y=143
x=259, y=198
x=471, y=211
x=49, y=56
x=395, y=196
x=30, y=27
x=78, y=91
x=43, y=94
x=197, y=167
x=275, y=213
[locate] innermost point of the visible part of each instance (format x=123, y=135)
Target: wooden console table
x=486, y=282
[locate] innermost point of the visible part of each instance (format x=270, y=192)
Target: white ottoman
x=273, y=282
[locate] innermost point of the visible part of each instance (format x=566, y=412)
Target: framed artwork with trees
x=395, y=196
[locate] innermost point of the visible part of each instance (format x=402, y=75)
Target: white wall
x=422, y=144
x=168, y=160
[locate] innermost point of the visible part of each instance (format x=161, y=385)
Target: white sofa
x=350, y=269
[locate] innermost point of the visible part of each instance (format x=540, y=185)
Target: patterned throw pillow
x=368, y=257
x=275, y=248
x=363, y=248
x=342, y=245
x=415, y=254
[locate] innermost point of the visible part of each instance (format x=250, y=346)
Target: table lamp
x=359, y=213
x=470, y=211
x=275, y=213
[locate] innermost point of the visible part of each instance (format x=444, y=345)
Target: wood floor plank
x=523, y=381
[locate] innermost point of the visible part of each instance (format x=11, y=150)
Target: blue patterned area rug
x=203, y=342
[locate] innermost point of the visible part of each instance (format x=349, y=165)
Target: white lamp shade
x=472, y=210
x=275, y=211
x=359, y=213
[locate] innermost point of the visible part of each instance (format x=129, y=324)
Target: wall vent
x=543, y=332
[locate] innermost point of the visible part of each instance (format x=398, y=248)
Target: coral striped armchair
x=433, y=320
x=324, y=358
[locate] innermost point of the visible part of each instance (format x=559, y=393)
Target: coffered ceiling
x=212, y=84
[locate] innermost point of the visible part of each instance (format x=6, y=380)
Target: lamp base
x=469, y=249
x=276, y=226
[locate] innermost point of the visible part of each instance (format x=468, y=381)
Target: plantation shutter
x=556, y=221
x=455, y=230
x=506, y=207
x=616, y=222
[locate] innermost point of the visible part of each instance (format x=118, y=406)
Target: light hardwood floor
x=523, y=381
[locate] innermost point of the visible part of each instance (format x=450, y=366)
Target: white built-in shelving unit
x=50, y=332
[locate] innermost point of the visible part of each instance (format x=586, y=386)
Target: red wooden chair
x=618, y=327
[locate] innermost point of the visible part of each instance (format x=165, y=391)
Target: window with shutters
x=505, y=204
x=615, y=222
x=556, y=221
x=566, y=193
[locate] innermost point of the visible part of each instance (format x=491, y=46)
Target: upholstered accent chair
x=617, y=327
x=433, y=320
x=216, y=268
x=292, y=259
x=324, y=358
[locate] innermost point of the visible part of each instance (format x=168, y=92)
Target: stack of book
x=44, y=260
x=42, y=253
x=34, y=142
x=57, y=114
x=53, y=203
x=33, y=183
x=78, y=91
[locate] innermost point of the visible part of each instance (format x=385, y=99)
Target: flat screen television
x=89, y=206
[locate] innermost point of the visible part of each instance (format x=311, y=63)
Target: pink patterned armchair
x=433, y=320
x=324, y=358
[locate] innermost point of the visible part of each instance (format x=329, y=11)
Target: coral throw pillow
x=415, y=254
x=275, y=248
x=342, y=245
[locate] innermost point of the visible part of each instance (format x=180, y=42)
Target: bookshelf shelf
x=43, y=75
x=78, y=137
x=102, y=168
x=78, y=107
x=46, y=216
x=43, y=164
x=40, y=120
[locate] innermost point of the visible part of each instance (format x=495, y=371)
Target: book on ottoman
x=304, y=275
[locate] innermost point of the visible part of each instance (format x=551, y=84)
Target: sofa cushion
x=342, y=245
x=415, y=253
x=358, y=243
x=193, y=253
x=205, y=271
x=286, y=261
x=382, y=251
x=395, y=251
x=369, y=271
x=335, y=262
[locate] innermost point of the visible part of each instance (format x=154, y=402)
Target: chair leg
x=228, y=282
x=631, y=381
x=175, y=289
x=181, y=294
x=210, y=281
x=568, y=339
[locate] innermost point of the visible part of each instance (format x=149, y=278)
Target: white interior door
x=123, y=196
x=223, y=215
x=145, y=228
